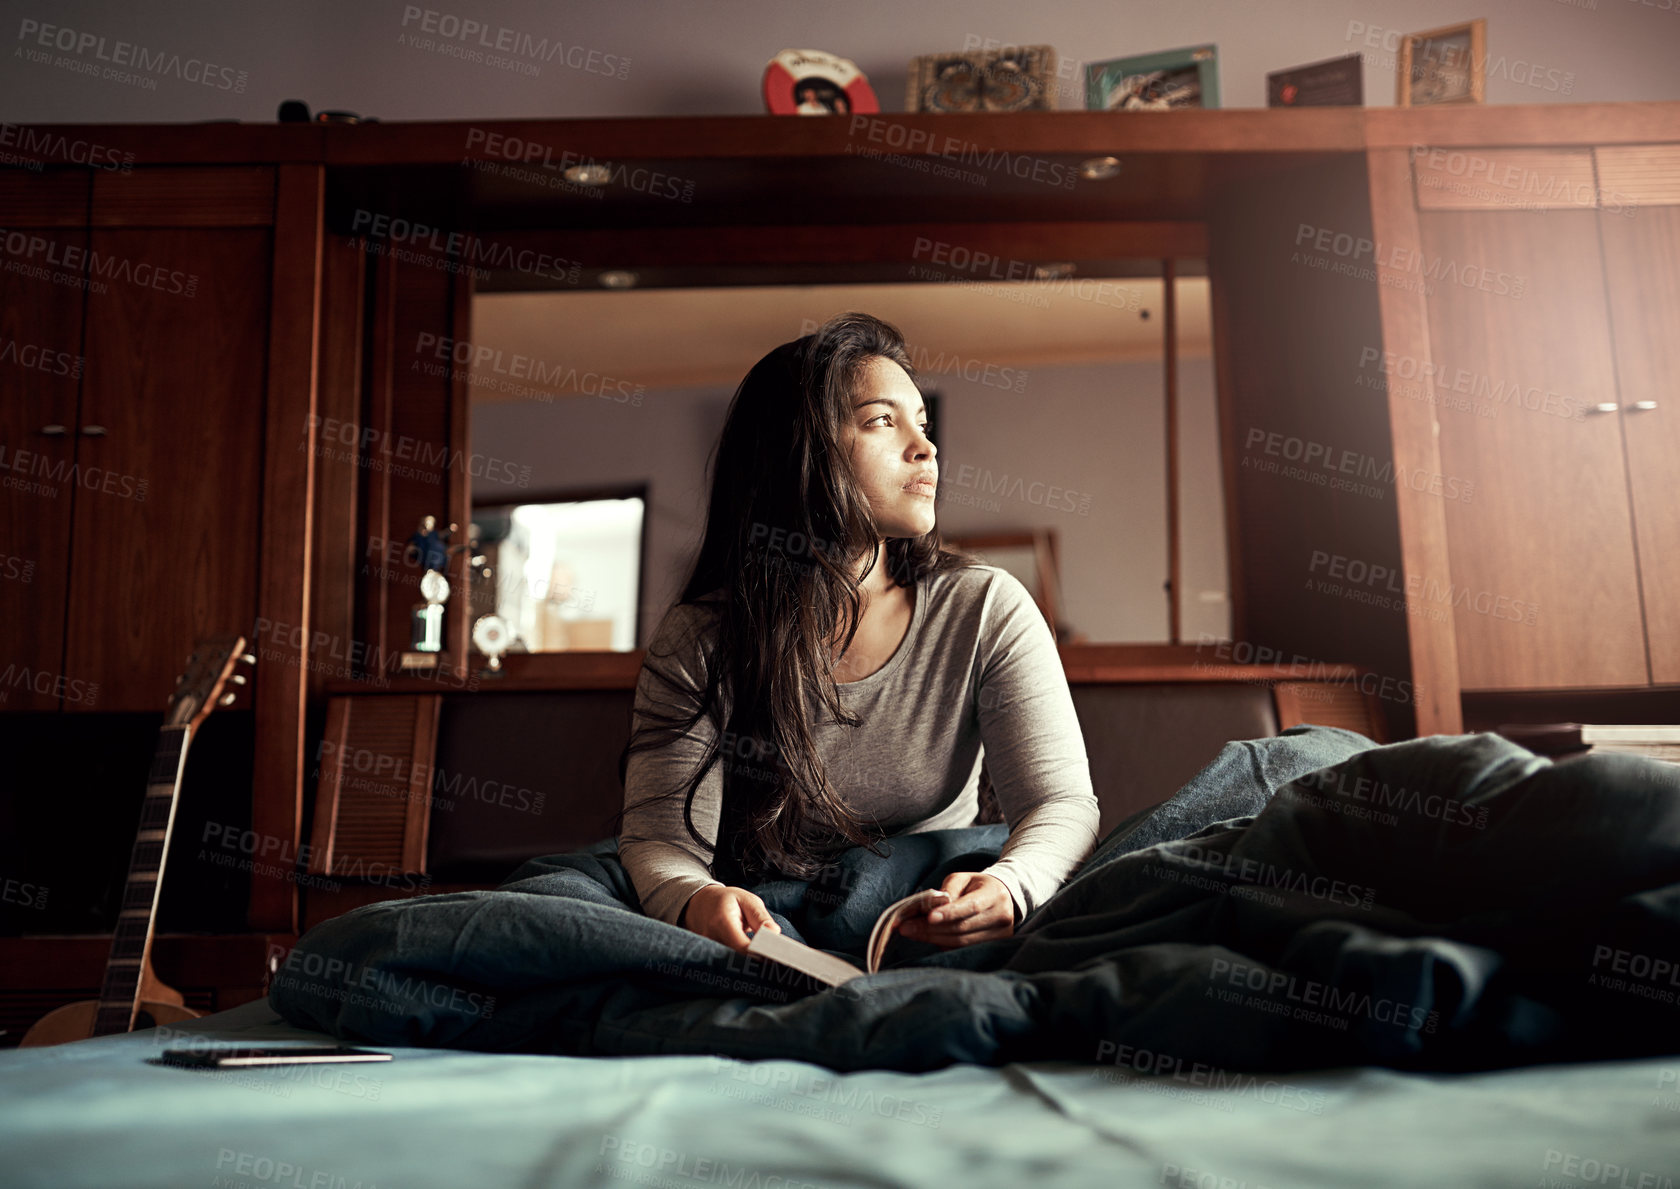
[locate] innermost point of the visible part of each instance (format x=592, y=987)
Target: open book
x=777, y=947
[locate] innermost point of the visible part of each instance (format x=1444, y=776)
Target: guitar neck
x=131, y=943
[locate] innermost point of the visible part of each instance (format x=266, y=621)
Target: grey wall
x=683, y=57
x=1079, y=451
x=582, y=443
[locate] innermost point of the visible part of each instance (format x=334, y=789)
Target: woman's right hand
x=725, y=914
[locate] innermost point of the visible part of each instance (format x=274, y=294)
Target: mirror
x=1052, y=425
x=566, y=570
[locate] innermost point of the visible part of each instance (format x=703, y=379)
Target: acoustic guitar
x=132, y=996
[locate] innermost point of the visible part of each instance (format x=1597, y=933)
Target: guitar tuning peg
x=237, y=679
x=228, y=699
x=250, y=658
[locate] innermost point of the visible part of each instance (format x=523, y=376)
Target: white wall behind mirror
x=1051, y=416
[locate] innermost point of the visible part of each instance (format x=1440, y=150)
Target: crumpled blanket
x=1307, y=900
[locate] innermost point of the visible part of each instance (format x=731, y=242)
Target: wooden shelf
x=1082, y=133
x=1089, y=664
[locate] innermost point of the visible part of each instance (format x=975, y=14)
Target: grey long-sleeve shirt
x=977, y=673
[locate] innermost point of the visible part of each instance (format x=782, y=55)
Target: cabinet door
x=40, y=376
x=1544, y=586
x=165, y=544
x=1642, y=263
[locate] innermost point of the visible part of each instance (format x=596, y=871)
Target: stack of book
x=1565, y=738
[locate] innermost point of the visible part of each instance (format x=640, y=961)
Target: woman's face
x=891, y=455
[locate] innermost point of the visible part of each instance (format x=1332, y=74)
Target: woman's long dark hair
x=786, y=527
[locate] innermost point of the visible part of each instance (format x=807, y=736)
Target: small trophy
x=491, y=637
x=426, y=548
x=428, y=616
x=429, y=548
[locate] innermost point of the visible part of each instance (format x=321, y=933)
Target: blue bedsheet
x=99, y=1115
x=1308, y=900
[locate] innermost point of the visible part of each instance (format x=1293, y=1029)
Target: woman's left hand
x=980, y=909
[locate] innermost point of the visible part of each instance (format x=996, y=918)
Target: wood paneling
x=339, y=560
x=50, y=198
x=1169, y=331
x=291, y=339
x=1504, y=179
x=560, y=142
x=1639, y=175
x=1431, y=645
x=373, y=608
x=1226, y=400
x=1074, y=132
x=1325, y=705
x=211, y=197
x=166, y=527
x=41, y=369
x=1005, y=249
x=141, y=145
x=1518, y=325
x=1642, y=267
x=373, y=804
x=1520, y=124
x=1651, y=704
x=458, y=655
x=214, y=973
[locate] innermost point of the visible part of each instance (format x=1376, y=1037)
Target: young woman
x=832, y=676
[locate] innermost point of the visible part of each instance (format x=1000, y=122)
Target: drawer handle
x=1606, y=406
x=93, y=431
x=1644, y=405
x=53, y=431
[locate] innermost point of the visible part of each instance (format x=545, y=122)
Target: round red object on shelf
x=814, y=83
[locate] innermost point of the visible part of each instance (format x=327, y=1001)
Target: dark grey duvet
x=1312, y=899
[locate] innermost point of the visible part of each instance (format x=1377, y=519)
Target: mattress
x=100, y=1113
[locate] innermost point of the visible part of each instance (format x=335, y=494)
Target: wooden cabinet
x=41, y=367
x=1544, y=584
x=161, y=481
x=135, y=467
x=166, y=529
x=1642, y=265
x=1553, y=333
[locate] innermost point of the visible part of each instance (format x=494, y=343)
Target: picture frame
x=1170, y=80
x=1443, y=66
x=1335, y=82
x=1018, y=78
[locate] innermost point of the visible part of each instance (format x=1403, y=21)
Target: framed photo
x=1443, y=66
x=1172, y=79
x=1338, y=82
x=1020, y=78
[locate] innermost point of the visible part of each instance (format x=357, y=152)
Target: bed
x=602, y=1062
x=98, y=1113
